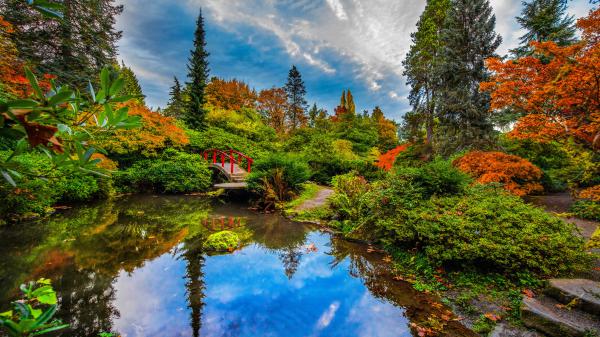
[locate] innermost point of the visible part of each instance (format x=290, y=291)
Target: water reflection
x=136, y=266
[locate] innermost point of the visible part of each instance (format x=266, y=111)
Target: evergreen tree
x=176, y=106
x=468, y=40
x=76, y=48
x=295, y=90
x=198, y=78
x=132, y=85
x=422, y=69
x=313, y=113
x=545, y=20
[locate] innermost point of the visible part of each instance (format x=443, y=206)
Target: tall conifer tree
x=422, y=69
x=545, y=20
x=198, y=78
x=295, y=90
x=469, y=38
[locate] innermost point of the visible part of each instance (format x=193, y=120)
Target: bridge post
x=223, y=160
x=214, y=156
x=231, y=159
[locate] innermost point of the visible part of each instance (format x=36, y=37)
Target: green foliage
x=40, y=187
x=484, y=325
x=586, y=209
x=277, y=178
x=222, y=241
x=431, y=208
x=245, y=122
x=438, y=177
x=172, y=172
x=33, y=314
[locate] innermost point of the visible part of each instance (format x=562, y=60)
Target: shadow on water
x=136, y=266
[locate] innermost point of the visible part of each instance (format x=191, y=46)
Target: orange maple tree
x=157, y=133
x=230, y=94
x=557, y=88
x=386, y=160
x=272, y=104
x=517, y=175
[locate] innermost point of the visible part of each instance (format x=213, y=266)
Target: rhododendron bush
x=557, y=88
x=517, y=175
x=386, y=160
x=591, y=193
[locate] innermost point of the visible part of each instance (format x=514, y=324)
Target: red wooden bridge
x=234, y=165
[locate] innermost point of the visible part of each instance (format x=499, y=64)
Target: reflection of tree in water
x=84, y=250
x=195, y=259
x=282, y=237
x=378, y=277
x=86, y=301
x=290, y=258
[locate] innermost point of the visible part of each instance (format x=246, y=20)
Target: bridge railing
x=230, y=157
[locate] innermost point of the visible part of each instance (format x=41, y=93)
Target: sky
x=335, y=44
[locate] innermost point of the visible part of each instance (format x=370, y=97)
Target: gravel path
x=319, y=200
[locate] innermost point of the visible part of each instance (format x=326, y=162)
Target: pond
x=136, y=266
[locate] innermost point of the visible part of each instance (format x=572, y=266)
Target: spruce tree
x=545, y=20
x=176, y=106
x=132, y=85
x=422, y=69
x=198, y=78
x=295, y=90
x=469, y=38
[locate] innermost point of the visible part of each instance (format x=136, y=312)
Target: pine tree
x=198, y=78
x=295, y=90
x=545, y=20
x=74, y=49
x=469, y=38
x=422, y=68
x=132, y=85
x=176, y=105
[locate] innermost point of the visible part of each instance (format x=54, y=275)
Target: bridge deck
x=232, y=186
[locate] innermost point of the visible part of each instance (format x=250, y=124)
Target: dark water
x=136, y=267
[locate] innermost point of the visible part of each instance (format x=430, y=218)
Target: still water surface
x=135, y=266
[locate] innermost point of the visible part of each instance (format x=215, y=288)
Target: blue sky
x=336, y=44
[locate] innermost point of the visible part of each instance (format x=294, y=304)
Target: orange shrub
x=157, y=133
x=386, y=160
x=518, y=175
x=591, y=193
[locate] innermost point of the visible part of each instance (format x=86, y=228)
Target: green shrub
x=438, y=177
x=586, y=209
x=40, y=187
x=277, y=178
x=430, y=208
x=222, y=241
x=172, y=172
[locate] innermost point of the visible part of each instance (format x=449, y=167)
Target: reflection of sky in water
x=248, y=294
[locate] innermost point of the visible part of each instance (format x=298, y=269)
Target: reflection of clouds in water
x=151, y=300
x=377, y=318
x=328, y=315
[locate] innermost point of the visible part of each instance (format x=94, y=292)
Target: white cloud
x=338, y=9
x=372, y=35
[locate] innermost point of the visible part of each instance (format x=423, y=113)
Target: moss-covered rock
x=222, y=241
